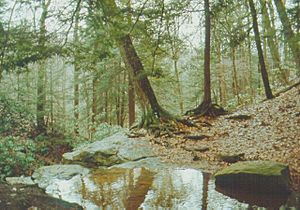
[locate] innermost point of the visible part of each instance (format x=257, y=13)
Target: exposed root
x=162, y=122
x=207, y=109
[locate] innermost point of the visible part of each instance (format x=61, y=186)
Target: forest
x=155, y=95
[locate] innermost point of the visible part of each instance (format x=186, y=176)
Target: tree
x=152, y=111
x=41, y=76
x=76, y=73
x=263, y=69
x=270, y=34
x=289, y=34
x=207, y=107
x=131, y=92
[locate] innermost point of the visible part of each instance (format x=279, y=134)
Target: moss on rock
x=258, y=176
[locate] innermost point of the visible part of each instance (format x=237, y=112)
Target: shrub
x=14, y=118
x=16, y=156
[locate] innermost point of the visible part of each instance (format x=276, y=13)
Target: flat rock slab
x=255, y=176
x=44, y=176
x=110, y=151
x=19, y=180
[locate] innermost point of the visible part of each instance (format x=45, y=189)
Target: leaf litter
x=266, y=131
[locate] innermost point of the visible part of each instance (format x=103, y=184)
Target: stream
x=170, y=188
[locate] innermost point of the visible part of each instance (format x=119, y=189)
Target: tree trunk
x=51, y=122
x=41, y=75
x=207, y=81
x=95, y=109
x=131, y=101
x=143, y=88
x=270, y=34
x=206, y=107
x=288, y=32
x=235, y=80
x=118, y=100
x=41, y=99
x=179, y=91
x=64, y=90
x=76, y=75
x=221, y=74
x=123, y=101
x=131, y=92
x=264, y=72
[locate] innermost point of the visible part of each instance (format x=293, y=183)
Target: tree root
x=162, y=122
x=207, y=109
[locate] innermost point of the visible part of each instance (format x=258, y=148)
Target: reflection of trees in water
x=169, y=190
x=206, y=178
x=106, y=183
x=138, y=189
x=119, y=188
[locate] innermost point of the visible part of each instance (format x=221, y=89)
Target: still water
x=174, y=188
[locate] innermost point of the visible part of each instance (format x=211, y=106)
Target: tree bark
x=235, y=80
x=288, y=32
x=95, y=110
x=131, y=91
x=131, y=101
x=207, y=81
x=143, y=84
x=179, y=91
x=41, y=75
x=76, y=76
x=206, y=107
x=264, y=72
x=270, y=34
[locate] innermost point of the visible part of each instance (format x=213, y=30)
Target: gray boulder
x=255, y=176
x=44, y=176
x=22, y=180
x=110, y=151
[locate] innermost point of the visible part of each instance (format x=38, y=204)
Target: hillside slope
x=266, y=131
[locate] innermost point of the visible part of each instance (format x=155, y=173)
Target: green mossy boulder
x=255, y=176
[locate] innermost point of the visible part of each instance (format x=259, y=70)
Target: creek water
x=173, y=188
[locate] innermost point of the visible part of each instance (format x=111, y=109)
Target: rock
x=239, y=117
x=110, y=151
x=196, y=148
x=44, y=176
x=30, y=197
x=196, y=137
x=153, y=163
x=255, y=176
x=266, y=200
x=232, y=158
x=19, y=180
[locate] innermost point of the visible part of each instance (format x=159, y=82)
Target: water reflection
x=141, y=188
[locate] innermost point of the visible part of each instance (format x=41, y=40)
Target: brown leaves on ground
x=271, y=132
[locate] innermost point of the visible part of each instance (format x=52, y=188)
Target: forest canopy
x=78, y=65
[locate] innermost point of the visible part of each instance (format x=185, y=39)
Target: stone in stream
x=44, y=176
x=110, y=151
x=255, y=176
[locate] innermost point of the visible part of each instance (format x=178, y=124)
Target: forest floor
x=266, y=131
